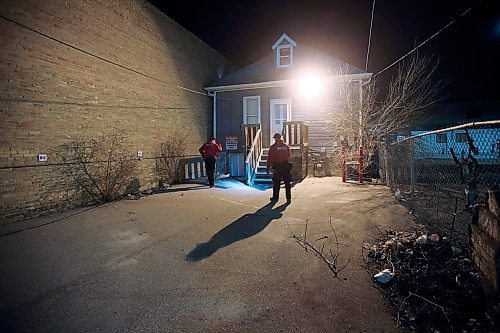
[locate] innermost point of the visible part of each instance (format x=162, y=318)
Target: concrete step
x=263, y=180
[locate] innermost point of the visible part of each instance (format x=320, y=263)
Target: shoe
x=273, y=199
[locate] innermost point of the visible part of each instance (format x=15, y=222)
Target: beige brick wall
x=82, y=67
x=485, y=242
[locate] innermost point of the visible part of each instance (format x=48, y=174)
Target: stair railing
x=296, y=133
x=253, y=157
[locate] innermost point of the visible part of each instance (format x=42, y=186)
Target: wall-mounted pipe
x=214, y=113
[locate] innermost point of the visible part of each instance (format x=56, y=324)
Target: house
x=436, y=146
x=455, y=143
x=286, y=92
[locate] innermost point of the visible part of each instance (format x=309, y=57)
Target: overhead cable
x=424, y=42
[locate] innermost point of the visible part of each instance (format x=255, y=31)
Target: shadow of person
x=246, y=226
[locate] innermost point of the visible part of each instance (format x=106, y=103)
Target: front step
x=261, y=176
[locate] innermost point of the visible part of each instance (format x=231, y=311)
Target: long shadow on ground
x=246, y=226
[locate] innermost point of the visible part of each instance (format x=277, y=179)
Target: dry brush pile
x=432, y=285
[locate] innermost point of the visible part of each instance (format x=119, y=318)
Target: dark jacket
x=278, y=153
x=210, y=150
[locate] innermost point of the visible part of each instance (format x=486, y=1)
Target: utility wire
x=92, y=162
x=97, y=56
x=34, y=101
x=89, y=104
x=369, y=37
x=424, y=42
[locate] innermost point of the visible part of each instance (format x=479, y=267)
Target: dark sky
x=468, y=51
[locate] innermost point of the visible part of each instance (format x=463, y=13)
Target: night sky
x=468, y=51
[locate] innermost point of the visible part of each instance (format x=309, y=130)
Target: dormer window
x=284, y=51
x=284, y=56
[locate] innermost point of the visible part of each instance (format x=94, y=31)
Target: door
x=280, y=112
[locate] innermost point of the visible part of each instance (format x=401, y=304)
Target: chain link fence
x=441, y=175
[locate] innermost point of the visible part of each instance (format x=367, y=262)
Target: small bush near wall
x=101, y=167
x=169, y=166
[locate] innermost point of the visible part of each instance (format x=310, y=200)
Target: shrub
x=170, y=154
x=101, y=167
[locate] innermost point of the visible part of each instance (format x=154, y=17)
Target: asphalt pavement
x=200, y=259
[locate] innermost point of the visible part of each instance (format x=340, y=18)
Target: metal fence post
x=386, y=165
x=360, y=164
x=343, y=165
x=412, y=168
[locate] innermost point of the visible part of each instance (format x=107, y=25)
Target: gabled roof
x=281, y=39
x=265, y=69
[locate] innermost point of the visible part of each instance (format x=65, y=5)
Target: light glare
x=310, y=86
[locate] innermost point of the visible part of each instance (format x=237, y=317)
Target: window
x=284, y=56
x=460, y=137
x=441, y=138
x=251, y=110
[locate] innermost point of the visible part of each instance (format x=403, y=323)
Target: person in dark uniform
x=279, y=160
x=209, y=153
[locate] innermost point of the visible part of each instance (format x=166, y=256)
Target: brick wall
x=485, y=242
x=82, y=67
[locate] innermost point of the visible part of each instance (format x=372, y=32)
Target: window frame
x=463, y=137
x=245, y=108
x=278, y=55
x=441, y=135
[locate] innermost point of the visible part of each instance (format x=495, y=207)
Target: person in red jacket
x=209, y=153
x=279, y=160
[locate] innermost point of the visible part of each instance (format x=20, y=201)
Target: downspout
x=214, y=113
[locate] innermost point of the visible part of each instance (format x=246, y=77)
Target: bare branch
x=354, y=107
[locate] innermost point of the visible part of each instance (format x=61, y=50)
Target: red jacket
x=278, y=153
x=210, y=150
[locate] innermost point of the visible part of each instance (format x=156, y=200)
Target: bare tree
x=354, y=110
x=101, y=167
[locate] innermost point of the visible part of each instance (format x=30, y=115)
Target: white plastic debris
x=384, y=276
x=398, y=194
x=422, y=240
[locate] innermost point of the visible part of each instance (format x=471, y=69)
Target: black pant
x=210, y=168
x=282, y=172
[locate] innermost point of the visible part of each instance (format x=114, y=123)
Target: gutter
x=284, y=83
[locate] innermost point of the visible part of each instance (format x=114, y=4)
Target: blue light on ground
x=229, y=183
x=233, y=184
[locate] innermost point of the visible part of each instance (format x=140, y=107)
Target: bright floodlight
x=310, y=86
